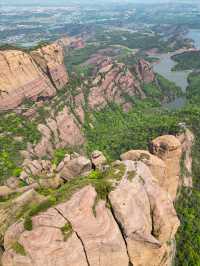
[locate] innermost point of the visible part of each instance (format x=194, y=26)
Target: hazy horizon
x=65, y=2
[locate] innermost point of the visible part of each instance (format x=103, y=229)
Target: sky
x=60, y=2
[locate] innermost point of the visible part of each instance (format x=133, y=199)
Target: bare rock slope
x=30, y=75
x=134, y=224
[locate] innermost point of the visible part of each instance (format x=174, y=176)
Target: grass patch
x=59, y=155
x=37, y=208
x=19, y=249
x=101, y=181
x=66, y=231
x=131, y=175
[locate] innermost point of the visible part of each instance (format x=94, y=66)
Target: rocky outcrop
x=169, y=149
x=58, y=131
x=144, y=71
x=112, y=82
x=135, y=223
x=30, y=76
x=146, y=215
x=12, y=208
x=50, y=58
x=48, y=174
x=155, y=164
x=75, y=42
x=20, y=79
x=75, y=167
x=98, y=159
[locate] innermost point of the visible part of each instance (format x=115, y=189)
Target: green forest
x=187, y=60
x=115, y=132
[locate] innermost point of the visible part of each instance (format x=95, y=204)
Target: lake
x=164, y=67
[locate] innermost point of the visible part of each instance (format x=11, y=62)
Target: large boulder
x=98, y=159
x=75, y=167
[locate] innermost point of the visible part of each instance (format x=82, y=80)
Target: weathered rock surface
x=98, y=159
x=50, y=58
x=146, y=215
x=169, y=149
x=103, y=242
x=59, y=131
x=9, y=210
x=75, y=167
x=144, y=71
x=138, y=229
x=31, y=76
x=50, y=249
x=111, y=82
x=20, y=79
x=155, y=164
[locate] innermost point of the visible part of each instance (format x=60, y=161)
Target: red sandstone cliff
x=144, y=71
x=29, y=76
x=50, y=59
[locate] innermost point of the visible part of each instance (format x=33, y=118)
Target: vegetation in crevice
x=66, y=230
x=19, y=249
x=102, y=181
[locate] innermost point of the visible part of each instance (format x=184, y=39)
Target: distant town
x=28, y=25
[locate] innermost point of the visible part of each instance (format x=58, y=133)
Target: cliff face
x=29, y=76
x=133, y=224
x=59, y=131
x=21, y=78
x=112, y=82
x=50, y=58
x=109, y=82
x=144, y=71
